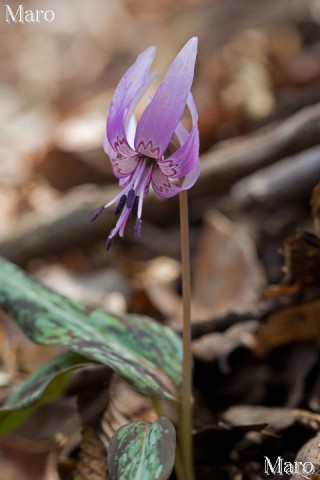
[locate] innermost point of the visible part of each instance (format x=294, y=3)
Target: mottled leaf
x=155, y=342
x=43, y=386
x=143, y=352
x=142, y=450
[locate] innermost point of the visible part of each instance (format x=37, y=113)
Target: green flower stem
x=185, y=423
x=178, y=466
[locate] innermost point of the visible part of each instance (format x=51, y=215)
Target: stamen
x=109, y=243
x=142, y=188
x=121, y=204
x=123, y=223
x=131, y=197
x=137, y=229
x=97, y=213
x=132, y=179
x=140, y=171
x=134, y=208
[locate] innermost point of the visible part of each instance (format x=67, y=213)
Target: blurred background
x=257, y=91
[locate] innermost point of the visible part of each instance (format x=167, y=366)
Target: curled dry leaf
x=125, y=405
x=220, y=345
x=92, y=464
x=276, y=419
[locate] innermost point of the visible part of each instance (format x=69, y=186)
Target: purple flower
x=141, y=154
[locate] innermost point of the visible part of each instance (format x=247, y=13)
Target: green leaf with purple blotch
x=43, y=386
x=146, y=354
x=142, y=450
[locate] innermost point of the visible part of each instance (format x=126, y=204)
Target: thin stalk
x=178, y=465
x=186, y=413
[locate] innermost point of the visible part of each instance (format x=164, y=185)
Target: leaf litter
x=255, y=310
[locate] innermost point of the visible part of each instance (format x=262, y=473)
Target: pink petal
x=123, y=166
x=162, y=115
x=191, y=178
x=193, y=109
x=183, y=160
x=128, y=89
x=108, y=148
x=166, y=189
x=181, y=132
x=162, y=185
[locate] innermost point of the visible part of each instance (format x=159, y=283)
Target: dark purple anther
x=121, y=204
x=134, y=209
x=137, y=229
x=109, y=243
x=97, y=213
x=131, y=197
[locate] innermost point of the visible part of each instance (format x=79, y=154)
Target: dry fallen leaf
x=300, y=323
x=227, y=274
x=277, y=419
x=21, y=460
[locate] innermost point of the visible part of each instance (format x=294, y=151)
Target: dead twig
x=286, y=180
x=234, y=159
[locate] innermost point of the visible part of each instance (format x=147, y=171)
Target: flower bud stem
x=185, y=421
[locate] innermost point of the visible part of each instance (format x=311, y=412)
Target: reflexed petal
x=108, y=149
x=123, y=166
x=131, y=129
x=127, y=90
x=183, y=160
x=162, y=185
x=181, y=132
x=193, y=109
x=131, y=123
x=162, y=115
x=165, y=188
x=191, y=178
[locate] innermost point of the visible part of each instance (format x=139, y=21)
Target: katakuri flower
x=141, y=154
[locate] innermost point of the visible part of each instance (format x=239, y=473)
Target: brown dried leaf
x=300, y=323
x=302, y=259
x=21, y=460
x=277, y=419
x=220, y=345
x=227, y=275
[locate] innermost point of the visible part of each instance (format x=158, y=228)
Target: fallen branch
x=234, y=159
x=287, y=180
x=66, y=224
